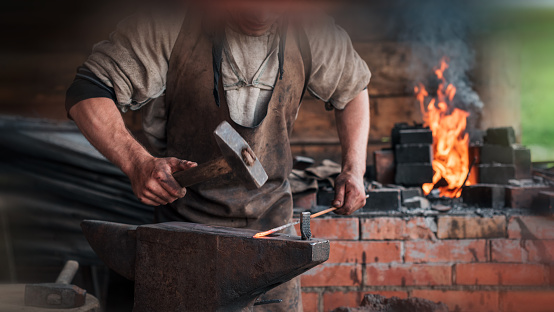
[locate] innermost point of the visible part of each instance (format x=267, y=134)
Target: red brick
x=540, y=251
x=528, y=301
x=333, y=275
x=459, y=227
x=408, y=275
x=389, y=293
x=310, y=302
x=383, y=228
x=334, y=300
x=522, y=197
x=364, y=252
x=500, y=274
x=461, y=300
x=418, y=228
x=504, y=250
x=531, y=227
x=386, y=228
x=446, y=251
x=336, y=228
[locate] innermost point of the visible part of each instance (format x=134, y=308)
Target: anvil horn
x=114, y=243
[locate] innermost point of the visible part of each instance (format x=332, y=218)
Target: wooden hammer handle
x=68, y=272
x=203, y=172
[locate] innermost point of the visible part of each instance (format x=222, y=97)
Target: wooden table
x=11, y=300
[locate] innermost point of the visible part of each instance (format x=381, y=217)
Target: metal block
x=417, y=202
x=522, y=161
x=496, y=174
x=497, y=154
x=383, y=200
x=504, y=136
x=411, y=192
x=413, y=153
x=485, y=195
x=416, y=136
x=305, y=228
x=414, y=174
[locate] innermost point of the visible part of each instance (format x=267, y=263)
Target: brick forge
x=471, y=263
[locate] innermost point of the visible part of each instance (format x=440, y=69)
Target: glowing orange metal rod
x=282, y=227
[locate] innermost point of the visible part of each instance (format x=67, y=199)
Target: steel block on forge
x=504, y=136
x=385, y=199
x=192, y=267
x=413, y=153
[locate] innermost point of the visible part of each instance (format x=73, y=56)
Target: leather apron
x=193, y=116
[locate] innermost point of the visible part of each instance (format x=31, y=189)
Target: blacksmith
x=245, y=63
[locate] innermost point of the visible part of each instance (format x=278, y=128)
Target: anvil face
x=193, y=267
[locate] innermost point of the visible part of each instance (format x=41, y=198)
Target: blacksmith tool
x=305, y=227
x=304, y=224
x=58, y=295
x=282, y=227
x=237, y=157
x=181, y=266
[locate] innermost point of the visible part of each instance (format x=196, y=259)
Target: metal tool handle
x=68, y=272
x=203, y=172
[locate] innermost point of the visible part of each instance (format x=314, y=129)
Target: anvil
x=192, y=267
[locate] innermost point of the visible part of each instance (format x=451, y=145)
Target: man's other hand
x=153, y=181
x=349, y=193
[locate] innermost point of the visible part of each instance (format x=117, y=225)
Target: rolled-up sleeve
x=339, y=74
x=134, y=61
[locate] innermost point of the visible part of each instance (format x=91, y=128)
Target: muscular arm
x=151, y=177
x=353, y=130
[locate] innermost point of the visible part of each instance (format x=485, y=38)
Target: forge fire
x=450, y=139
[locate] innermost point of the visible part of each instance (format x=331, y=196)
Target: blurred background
x=45, y=42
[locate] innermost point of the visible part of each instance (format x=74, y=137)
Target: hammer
x=58, y=295
x=237, y=157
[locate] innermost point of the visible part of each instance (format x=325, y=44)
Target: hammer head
x=240, y=157
x=54, y=296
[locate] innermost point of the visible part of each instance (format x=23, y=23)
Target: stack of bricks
x=502, y=163
x=503, y=160
x=413, y=152
x=499, y=263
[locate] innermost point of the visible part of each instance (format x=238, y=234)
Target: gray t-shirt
x=134, y=62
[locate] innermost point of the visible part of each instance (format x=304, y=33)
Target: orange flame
x=451, y=142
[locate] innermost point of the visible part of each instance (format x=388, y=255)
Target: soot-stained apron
x=193, y=115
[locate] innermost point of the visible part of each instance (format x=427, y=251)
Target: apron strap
x=217, y=58
x=306, y=52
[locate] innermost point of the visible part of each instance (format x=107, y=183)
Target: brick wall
x=498, y=263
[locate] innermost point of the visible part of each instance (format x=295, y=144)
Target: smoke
x=437, y=29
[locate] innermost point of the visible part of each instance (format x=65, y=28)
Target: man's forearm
x=353, y=129
x=101, y=123
x=152, y=178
